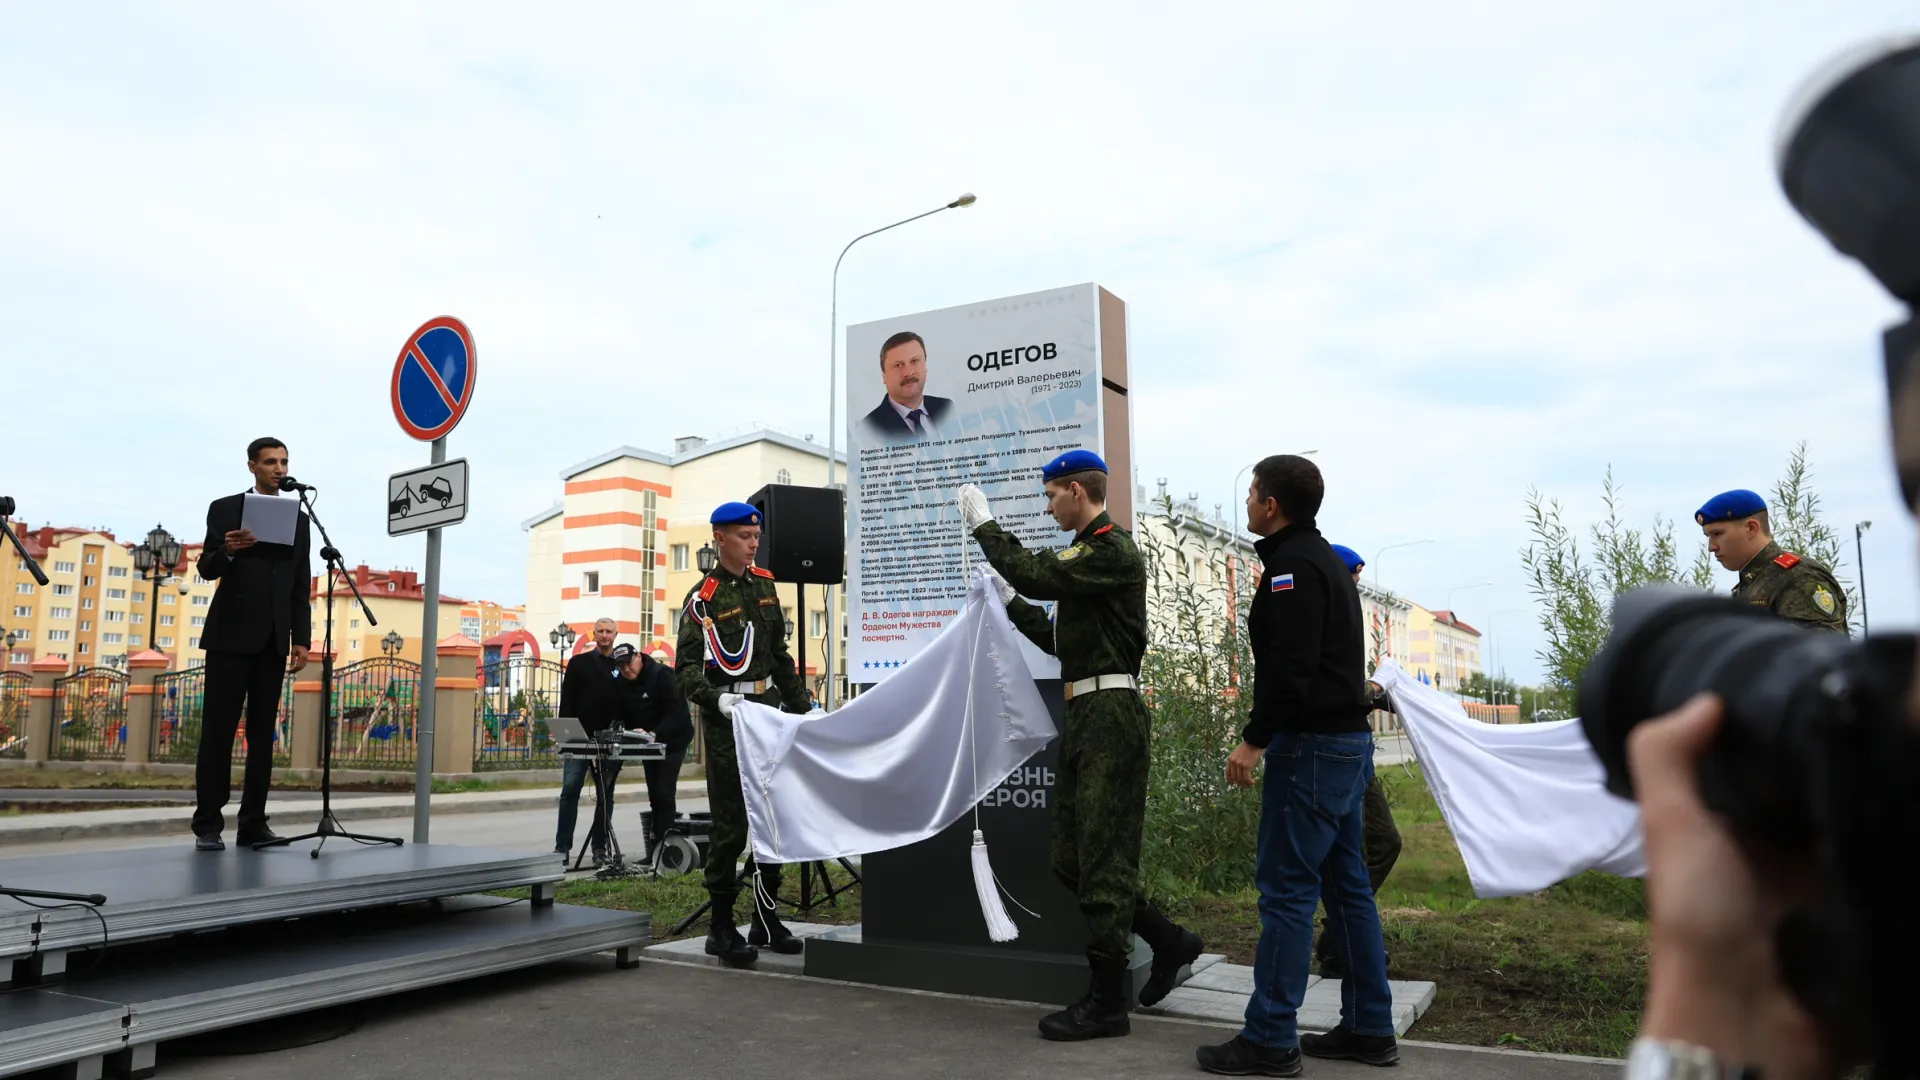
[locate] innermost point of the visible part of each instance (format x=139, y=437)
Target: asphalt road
x=699, y=1023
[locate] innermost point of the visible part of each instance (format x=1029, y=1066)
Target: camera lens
x=1670, y=643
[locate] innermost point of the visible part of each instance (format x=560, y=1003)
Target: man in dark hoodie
x=650, y=701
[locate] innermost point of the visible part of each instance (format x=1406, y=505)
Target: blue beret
x=736, y=513
x=1736, y=505
x=1071, y=462
x=1350, y=557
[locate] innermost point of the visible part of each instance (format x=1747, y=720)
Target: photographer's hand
x=1712, y=980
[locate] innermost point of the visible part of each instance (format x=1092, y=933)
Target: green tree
x=1483, y=686
x=1575, y=577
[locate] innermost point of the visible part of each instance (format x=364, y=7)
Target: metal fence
x=516, y=698
x=179, y=705
x=90, y=716
x=376, y=711
x=13, y=713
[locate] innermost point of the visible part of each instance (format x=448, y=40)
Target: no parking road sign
x=430, y=497
x=433, y=378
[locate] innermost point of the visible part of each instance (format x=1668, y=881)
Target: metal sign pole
x=429, y=673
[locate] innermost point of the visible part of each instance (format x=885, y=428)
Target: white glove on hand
x=973, y=506
x=727, y=702
x=1007, y=592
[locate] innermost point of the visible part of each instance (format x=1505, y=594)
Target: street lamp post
x=1860, y=556
x=833, y=394
x=1376, y=559
x=155, y=558
x=8, y=636
x=563, y=637
x=392, y=643
x=706, y=558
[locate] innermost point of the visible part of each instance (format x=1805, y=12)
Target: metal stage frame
x=203, y=941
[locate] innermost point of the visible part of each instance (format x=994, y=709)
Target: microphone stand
x=329, y=825
x=29, y=895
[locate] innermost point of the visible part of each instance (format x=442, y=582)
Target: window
x=23, y=658
x=59, y=635
x=60, y=613
x=87, y=582
x=470, y=626
x=116, y=616
x=166, y=620
x=116, y=594
x=86, y=625
x=139, y=597
x=166, y=599
x=354, y=645
x=679, y=556
x=133, y=639
x=164, y=642
x=202, y=601
x=355, y=624
x=818, y=624
x=783, y=477
x=136, y=618
x=649, y=555
x=85, y=648
x=199, y=620
x=112, y=639
x=24, y=588
x=22, y=611
x=25, y=635
x=193, y=642
x=93, y=558
x=116, y=571
x=391, y=587
x=198, y=580
x=58, y=590
x=673, y=622
x=86, y=603
x=64, y=568
x=590, y=582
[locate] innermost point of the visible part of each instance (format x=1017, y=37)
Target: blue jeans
x=571, y=781
x=1310, y=817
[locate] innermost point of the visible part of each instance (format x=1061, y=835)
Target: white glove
x=973, y=507
x=1007, y=592
x=728, y=701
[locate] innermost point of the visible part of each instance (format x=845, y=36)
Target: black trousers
x=662, y=775
x=235, y=681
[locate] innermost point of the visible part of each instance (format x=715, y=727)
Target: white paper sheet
x=270, y=518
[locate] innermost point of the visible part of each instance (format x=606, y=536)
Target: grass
x=1561, y=971
x=671, y=899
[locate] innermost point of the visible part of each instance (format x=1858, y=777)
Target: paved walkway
x=1216, y=990
x=695, y=1023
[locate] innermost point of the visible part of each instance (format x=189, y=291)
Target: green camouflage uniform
x=1793, y=587
x=1100, y=791
x=734, y=604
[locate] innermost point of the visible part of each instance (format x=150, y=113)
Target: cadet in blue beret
x=1791, y=586
x=732, y=648
x=1099, y=632
x=1351, y=557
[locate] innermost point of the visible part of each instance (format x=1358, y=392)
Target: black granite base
x=990, y=971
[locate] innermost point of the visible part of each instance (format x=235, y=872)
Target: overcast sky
x=1460, y=250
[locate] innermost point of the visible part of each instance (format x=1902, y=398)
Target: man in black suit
x=906, y=413
x=258, y=630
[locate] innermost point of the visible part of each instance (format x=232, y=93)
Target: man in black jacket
x=1309, y=723
x=650, y=701
x=259, y=628
x=587, y=694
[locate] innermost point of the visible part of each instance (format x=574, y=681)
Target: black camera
x=1817, y=764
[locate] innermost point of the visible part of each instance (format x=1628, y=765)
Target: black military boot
x=723, y=938
x=1174, y=947
x=769, y=932
x=1101, y=1014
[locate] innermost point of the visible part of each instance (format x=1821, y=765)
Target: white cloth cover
x=900, y=762
x=1527, y=803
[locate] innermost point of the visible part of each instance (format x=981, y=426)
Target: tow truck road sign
x=430, y=497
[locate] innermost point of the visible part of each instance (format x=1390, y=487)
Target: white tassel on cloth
x=1000, y=926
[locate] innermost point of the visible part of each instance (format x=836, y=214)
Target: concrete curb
x=176, y=820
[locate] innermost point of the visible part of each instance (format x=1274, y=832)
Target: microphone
x=288, y=483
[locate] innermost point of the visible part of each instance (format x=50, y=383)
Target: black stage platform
x=203, y=941
x=154, y=892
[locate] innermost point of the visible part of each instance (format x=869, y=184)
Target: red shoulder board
x=1787, y=561
x=709, y=587
x=1108, y=527
x=761, y=571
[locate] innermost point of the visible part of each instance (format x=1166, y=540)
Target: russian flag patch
x=1280, y=583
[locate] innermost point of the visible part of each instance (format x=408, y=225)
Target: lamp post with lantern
x=155, y=558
